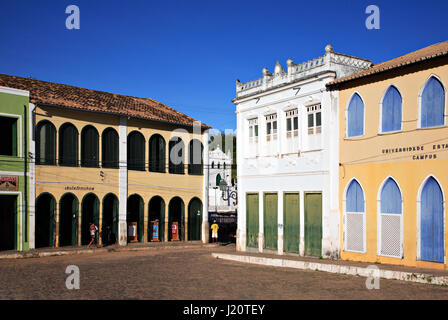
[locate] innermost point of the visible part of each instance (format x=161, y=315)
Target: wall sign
x=420, y=152
x=9, y=183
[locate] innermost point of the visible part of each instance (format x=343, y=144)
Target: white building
x=220, y=169
x=287, y=157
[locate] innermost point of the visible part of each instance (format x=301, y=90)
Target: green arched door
x=194, y=219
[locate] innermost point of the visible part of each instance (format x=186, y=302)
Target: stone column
x=123, y=182
x=205, y=224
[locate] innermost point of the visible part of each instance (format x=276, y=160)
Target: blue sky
x=188, y=53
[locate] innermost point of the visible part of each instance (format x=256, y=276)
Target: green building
x=16, y=180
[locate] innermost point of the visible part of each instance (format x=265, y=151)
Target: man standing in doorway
x=93, y=230
x=214, y=228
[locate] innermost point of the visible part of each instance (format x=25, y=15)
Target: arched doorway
x=136, y=213
x=156, y=212
x=45, y=232
x=89, y=213
x=68, y=220
x=109, y=226
x=194, y=219
x=431, y=222
x=176, y=213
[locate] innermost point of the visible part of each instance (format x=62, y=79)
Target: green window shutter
x=218, y=179
x=89, y=147
x=157, y=154
x=50, y=144
x=110, y=148
x=46, y=144
x=136, y=151
x=161, y=155
x=68, y=145
x=177, y=168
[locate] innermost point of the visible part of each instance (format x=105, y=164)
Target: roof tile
x=49, y=93
x=433, y=51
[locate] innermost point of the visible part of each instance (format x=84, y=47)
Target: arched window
x=195, y=165
x=354, y=235
x=390, y=220
x=89, y=147
x=45, y=143
x=109, y=143
x=218, y=179
x=391, y=110
x=219, y=165
x=213, y=164
x=433, y=104
x=176, y=155
x=68, y=145
x=224, y=165
x=432, y=246
x=355, y=117
x=157, y=153
x=136, y=151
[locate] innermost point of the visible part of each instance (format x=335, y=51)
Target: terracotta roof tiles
x=430, y=52
x=55, y=94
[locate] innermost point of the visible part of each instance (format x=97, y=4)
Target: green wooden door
x=75, y=207
x=270, y=220
x=194, y=219
x=252, y=222
x=291, y=222
x=313, y=224
x=52, y=217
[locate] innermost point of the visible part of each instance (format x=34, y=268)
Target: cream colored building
x=116, y=161
x=393, y=154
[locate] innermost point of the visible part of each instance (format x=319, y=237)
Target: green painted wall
x=12, y=105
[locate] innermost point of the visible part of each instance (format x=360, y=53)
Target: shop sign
x=9, y=183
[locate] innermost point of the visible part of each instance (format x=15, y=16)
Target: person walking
x=93, y=231
x=214, y=228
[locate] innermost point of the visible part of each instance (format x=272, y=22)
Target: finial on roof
x=278, y=68
x=329, y=48
x=290, y=63
x=266, y=72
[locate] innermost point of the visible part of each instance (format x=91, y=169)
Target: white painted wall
x=277, y=167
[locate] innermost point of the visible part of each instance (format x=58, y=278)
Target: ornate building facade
x=287, y=157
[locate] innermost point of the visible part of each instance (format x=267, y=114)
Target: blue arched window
x=355, y=198
x=355, y=117
x=433, y=104
x=390, y=197
x=354, y=219
x=390, y=238
x=431, y=222
x=391, y=111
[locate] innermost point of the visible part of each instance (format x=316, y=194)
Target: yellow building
x=393, y=154
x=132, y=166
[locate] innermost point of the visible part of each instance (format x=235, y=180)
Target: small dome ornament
x=278, y=68
x=329, y=48
x=266, y=72
x=290, y=63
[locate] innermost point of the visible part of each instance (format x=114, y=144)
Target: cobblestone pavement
x=188, y=274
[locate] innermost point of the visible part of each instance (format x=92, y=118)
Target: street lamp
x=224, y=187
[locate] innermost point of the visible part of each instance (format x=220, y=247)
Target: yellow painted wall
x=55, y=179
x=365, y=159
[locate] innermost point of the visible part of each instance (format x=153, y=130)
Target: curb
x=333, y=268
x=27, y=254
